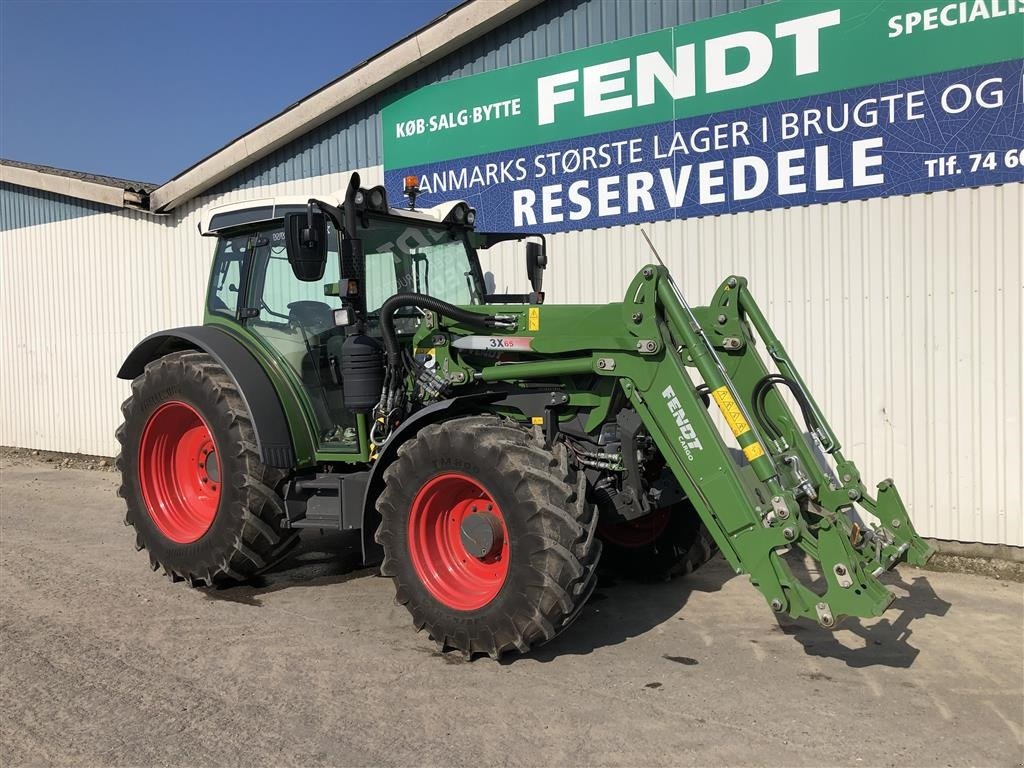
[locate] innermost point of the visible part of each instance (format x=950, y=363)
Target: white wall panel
x=79, y=294
x=904, y=315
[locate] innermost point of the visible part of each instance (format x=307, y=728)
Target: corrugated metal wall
x=76, y=295
x=22, y=207
x=905, y=314
x=79, y=293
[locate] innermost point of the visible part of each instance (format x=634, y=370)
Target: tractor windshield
x=415, y=257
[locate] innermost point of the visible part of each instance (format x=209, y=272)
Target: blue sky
x=143, y=90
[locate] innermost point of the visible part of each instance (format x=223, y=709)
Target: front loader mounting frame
x=777, y=492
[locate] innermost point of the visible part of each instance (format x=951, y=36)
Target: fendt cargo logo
x=687, y=435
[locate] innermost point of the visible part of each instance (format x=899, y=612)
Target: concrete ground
x=103, y=662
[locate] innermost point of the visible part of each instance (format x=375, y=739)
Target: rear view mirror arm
x=333, y=213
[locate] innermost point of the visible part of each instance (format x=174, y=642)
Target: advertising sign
x=792, y=103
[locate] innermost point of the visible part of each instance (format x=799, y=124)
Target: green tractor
x=355, y=372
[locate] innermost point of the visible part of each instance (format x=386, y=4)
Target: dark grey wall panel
x=24, y=207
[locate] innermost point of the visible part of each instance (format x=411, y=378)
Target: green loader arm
x=792, y=500
x=667, y=358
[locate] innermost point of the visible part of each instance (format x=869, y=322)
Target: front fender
x=273, y=437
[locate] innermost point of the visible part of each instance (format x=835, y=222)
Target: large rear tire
x=201, y=502
x=487, y=535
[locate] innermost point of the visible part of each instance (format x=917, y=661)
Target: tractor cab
x=302, y=278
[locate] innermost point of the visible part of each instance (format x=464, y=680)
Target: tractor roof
x=222, y=217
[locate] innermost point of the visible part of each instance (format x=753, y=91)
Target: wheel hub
x=458, y=541
x=179, y=472
x=481, y=534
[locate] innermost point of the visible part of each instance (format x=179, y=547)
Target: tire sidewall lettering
x=454, y=464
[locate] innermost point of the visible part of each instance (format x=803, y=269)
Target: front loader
x=354, y=372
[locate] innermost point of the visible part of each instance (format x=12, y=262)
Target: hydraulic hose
x=387, y=323
x=761, y=391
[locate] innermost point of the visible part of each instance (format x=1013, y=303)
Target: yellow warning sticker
x=539, y=420
x=533, y=319
x=731, y=411
x=753, y=451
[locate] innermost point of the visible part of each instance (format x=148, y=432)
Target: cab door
x=295, y=319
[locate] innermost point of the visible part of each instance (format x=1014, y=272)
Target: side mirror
x=536, y=263
x=306, y=242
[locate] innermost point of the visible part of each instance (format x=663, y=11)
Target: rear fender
x=269, y=422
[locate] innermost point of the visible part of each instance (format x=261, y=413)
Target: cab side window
x=227, y=275
x=296, y=320
x=277, y=285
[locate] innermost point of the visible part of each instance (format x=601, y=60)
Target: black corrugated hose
x=387, y=323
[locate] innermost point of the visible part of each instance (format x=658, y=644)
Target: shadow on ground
x=320, y=558
x=621, y=609
x=886, y=641
x=618, y=610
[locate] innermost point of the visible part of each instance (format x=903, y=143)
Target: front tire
x=200, y=500
x=487, y=535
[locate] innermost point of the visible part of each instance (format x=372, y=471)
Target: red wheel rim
x=453, y=575
x=179, y=472
x=634, y=534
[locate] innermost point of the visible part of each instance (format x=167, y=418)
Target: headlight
x=378, y=199
x=460, y=214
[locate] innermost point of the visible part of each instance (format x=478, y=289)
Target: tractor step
x=329, y=501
